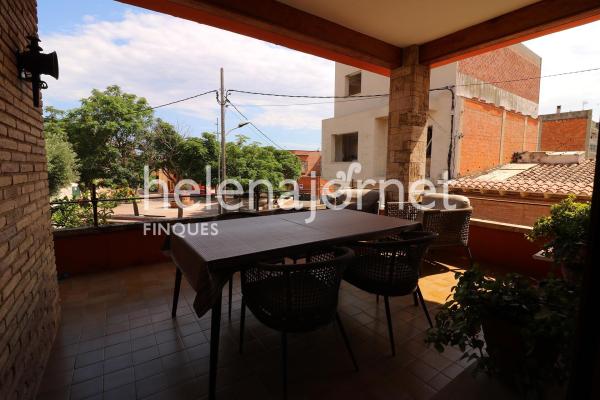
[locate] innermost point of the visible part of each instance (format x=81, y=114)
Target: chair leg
x=346, y=341
x=418, y=292
x=415, y=299
x=176, y=292
x=388, y=314
x=470, y=256
x=230, y=295
x=284, y=362
x=242, y=322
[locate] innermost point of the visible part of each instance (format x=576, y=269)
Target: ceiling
x=407, y=22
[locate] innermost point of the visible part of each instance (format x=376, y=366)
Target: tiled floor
x=117, y=341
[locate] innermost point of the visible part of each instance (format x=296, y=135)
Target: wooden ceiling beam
x=526, y=23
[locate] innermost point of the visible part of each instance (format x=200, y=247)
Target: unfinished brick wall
x=29, y=309
x=491, y=135
x=481, y=127
x=564, y=134
x=506, y=64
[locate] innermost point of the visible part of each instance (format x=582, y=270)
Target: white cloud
x=571, y=50
x=164, y=58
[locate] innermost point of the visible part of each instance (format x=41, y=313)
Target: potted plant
x=513, y=327
x=565, y=232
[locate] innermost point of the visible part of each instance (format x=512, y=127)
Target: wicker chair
x=451, y=225
x=296, y=297
x=391, y=268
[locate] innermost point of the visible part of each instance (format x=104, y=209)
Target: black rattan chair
x=297, y=297
x=390, y=268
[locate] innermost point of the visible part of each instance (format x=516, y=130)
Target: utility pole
x=222, y=101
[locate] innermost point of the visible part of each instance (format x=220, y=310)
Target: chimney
x=558, y=109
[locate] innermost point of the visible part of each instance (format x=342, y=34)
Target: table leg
x=215, y=331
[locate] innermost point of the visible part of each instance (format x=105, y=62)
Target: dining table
x=208, y=257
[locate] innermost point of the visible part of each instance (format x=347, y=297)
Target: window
x=429, y=140
x=353, y=83
x=304, y=166
x=346, y=147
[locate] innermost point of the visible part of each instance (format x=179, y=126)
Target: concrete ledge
x=484, y=223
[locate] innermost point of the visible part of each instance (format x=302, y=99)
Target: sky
x=163, y=58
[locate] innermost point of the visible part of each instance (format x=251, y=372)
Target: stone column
x=407, y=122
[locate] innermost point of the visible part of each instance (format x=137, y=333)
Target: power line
x=533, y=77
x=254, y=126
x=307, y=96
x=180, y=100
x=307, y=104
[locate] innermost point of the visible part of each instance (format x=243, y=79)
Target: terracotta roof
x=562, y=179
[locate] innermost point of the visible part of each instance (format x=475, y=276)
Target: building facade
x=569, y=131
x=482, y=110
x=310, y=161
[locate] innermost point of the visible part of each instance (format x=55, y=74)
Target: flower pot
x=508, y=352
x=572, y=273
x=504, y=344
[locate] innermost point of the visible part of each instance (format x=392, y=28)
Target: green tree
x=248, y=162
x=180, y=157
x=107, y=132
x=62, y=160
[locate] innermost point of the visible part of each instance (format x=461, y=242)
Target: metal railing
x=95, y=201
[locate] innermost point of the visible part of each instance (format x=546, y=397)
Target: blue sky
x=162, y=58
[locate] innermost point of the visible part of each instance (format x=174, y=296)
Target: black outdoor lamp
x=33, y=63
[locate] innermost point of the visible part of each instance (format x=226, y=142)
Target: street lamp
x=223, y=149
x=222, y=169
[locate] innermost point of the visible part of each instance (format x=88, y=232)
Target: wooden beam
x=526, y=23
x=281, y=24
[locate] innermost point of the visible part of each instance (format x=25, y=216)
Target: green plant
x=565, y=232
x=535, y=320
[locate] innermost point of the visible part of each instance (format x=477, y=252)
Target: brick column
x=407, y=121
x=29, y=309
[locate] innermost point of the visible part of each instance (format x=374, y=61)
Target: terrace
x=107, y=332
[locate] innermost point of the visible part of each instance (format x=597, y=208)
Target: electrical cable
x=254, y=126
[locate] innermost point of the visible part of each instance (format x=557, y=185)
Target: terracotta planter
x=572, y=273
x=506, y=348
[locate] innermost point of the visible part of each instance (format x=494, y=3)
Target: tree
x=62, y=160
x=107, y=132
x=180, y=157
x=251, y=162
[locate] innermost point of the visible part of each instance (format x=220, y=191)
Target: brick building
x=310, y=160
x=29, y=310
x=521, y=192
x=569, y=131
x=489, y=123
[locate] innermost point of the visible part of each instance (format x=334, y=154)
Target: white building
x=358, y=131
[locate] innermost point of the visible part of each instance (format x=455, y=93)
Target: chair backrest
x=452, y=200
x=404, y=210
x=296, y=297
x=452, y=226
x=390, y=267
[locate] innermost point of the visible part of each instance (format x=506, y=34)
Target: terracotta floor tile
x=118, y=341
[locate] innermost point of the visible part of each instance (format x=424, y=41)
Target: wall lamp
x=32, y=63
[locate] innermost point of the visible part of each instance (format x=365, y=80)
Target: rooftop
x=543, y=173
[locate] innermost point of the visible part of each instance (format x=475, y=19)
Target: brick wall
x=29, y=308
x=491, y=135
x=507, y=64
x=481, y=126
x=564, y=134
